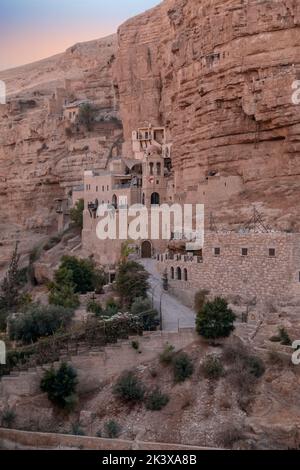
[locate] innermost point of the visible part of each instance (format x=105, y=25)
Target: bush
x=131, y=282
x=76, y=430
x=156, y=400
x=166, y=357
x=60, y=386
x=76, y=213
x=284, y=337
x=8, y=418
x=142, y=307
x=183, y=367
x=112, y=429
x=255, y=366
x=215, y=320
x=39, y=321
x=112, y=307
x=95, y=307
x=212, y=367
x=63, y=295
x=129, y=388
x=86, y=116
x=80, y=272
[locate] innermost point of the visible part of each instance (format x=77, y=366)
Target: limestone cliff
x=40, y=159
x=218, y=74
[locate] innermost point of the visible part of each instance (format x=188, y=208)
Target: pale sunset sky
x=31, y=30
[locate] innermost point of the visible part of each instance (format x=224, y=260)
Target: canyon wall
x=40, y=158
x=218, y=74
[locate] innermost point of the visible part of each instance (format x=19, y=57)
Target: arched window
x=178, y=274
x=155, y=199
x=143, y=199
x=185, y=274
x=151, y=168
x=115, y=201
x=172, y=273
x=158, y=169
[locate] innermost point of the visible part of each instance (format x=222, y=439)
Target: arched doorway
x=178, y=274
x=115, y=201
x=146, y=249
x=154, y=199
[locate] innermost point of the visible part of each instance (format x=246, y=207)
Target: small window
x=272, y=252
x=299, y=276
x=102, y=188
x=244, y=251
x=157, y=181
x=96, y=189
x=217, y=251
x=107, y=188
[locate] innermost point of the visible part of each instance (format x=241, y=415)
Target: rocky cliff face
x=218, y=74
x=39, y=159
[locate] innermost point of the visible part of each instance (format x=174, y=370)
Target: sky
x=35, y=29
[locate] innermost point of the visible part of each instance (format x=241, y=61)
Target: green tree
x=10, y=295
x=62, y=289
x=76, y=213
x=129, y=387
x=39, y=321
x=215, y=320
x=86, y=116
x=131, y=282
x=182, y=367
x=79, y=272
x=60, y=386
x=142, y=307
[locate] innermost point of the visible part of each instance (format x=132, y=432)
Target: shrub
x=39, y=321
x=212, y=367
x=135, y=345
x=284, y=337
x=8, y=418
x=112, y=429
x=77, y=430
x=255, y=366
x=112, y=307
x=129, y=388
x=95, y=307
x=215, y=320
x=63, y=295
x=86, y=116
x=76, y=213
x=166, y=357
x=183, y=367
x=60, y=386
x=131, y=282
x=142, y=307
x=79, y=272
x=156, y=400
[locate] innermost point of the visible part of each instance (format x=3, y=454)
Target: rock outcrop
x=218, y=74
x=41, y=159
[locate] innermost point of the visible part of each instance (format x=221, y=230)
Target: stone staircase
x=96, y=365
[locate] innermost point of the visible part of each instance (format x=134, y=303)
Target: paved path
x=174, y=313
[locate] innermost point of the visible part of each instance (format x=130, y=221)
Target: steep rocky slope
x=219, y=75
x=39, y=160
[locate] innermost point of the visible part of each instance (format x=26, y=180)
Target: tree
x=60, y=386
x=10, y=289
x=182, y=367
x=62, y=290
x=79, y=272
x=76, y=213
x=86, y=116
x=215, y=320
x=131, y=282
x=39, y=321
x=129, y=388
x=142, y=307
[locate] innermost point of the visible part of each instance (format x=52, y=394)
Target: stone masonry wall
x=256, y=275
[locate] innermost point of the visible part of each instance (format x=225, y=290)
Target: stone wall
x=255, y=275
x=12, y=439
